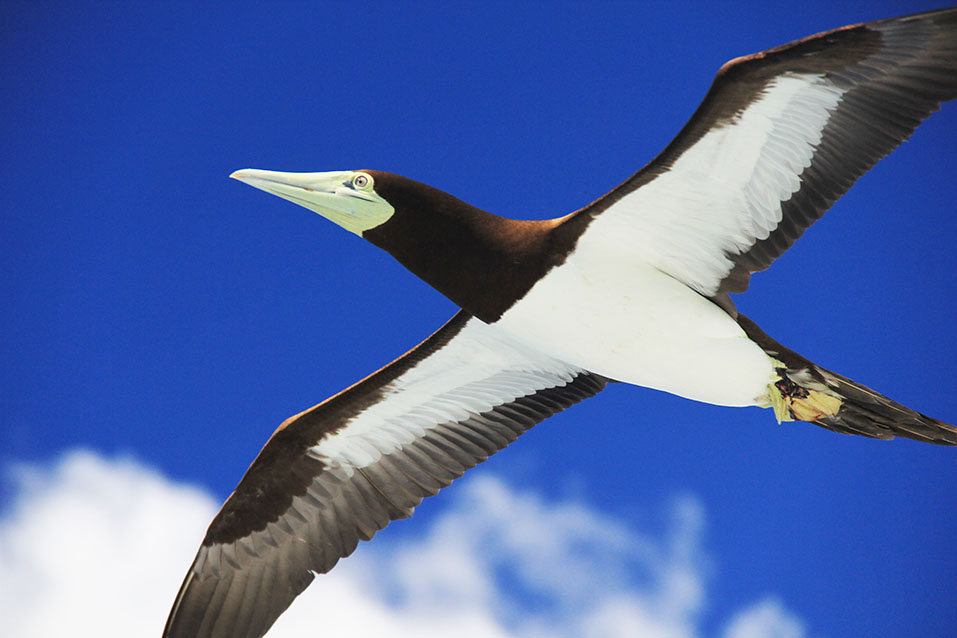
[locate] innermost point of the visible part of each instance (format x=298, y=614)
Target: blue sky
x=155, y=310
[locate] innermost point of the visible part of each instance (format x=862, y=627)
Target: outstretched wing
x=779, y=137
x=340, y=471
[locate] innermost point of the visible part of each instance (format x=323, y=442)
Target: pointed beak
x=331, y=194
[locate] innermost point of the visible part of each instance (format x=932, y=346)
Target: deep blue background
x=152, y=306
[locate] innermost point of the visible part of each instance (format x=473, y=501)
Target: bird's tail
x=807, y=392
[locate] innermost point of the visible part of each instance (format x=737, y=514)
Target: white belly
x=632, y=323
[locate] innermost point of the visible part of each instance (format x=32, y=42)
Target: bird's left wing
x=340, y=471
x=778, y=138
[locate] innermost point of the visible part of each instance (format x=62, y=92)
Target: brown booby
x=632, y=288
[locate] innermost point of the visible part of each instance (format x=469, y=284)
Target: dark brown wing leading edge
x=890, y=75
x=341, y=471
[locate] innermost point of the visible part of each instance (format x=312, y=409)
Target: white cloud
x=766, y=619
x=97, y=547
x=90, y=548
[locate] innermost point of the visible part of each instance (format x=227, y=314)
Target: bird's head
x=482, y=262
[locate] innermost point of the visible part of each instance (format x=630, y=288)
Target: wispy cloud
x=97, y=547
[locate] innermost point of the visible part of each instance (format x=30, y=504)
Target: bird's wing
x=778, y=138
x=340, y=471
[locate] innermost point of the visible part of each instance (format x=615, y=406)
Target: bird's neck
x=482, y=262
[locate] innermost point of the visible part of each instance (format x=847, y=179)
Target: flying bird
x=632, y=288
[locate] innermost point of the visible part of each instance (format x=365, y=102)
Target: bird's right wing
x=778, y=138
x=340, y=471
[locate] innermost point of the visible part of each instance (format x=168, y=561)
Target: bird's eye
x=362, y=182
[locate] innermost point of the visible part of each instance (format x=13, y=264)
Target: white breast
x=610, y=313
